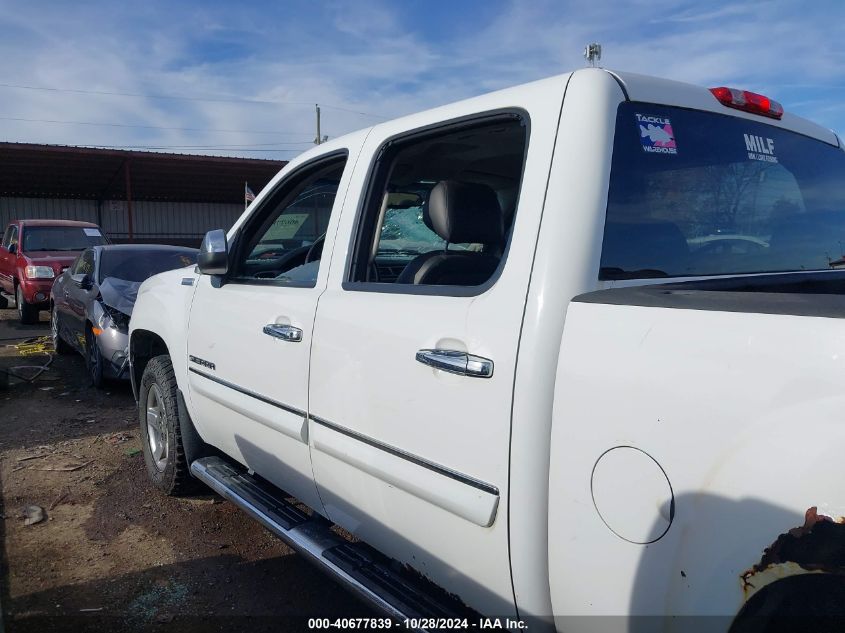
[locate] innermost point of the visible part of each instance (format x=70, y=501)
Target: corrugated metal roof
x=58, y=171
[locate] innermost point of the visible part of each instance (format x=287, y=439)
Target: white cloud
x=363, y=57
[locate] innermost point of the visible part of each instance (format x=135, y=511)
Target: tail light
x=748, y=102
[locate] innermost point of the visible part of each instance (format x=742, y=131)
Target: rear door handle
x=284, y=332
x=456, y=362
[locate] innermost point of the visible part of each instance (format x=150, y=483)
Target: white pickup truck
x=574, y=348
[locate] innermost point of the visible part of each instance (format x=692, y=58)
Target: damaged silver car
x=91, y=302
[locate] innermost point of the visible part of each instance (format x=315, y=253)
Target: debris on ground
x=66, y=466
x=118, y=438
x=62, y=496
x=131, y=452
x=26, y=458
x=169, y=595
x=33, y=514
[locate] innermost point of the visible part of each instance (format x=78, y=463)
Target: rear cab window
x=696, y=193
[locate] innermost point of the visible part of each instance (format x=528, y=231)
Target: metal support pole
x=319, y=138
x=128, y=173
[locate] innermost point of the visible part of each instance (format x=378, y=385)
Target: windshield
x=299, y=222
x=137, y=265
x=404, y=232
x=699, y=193
x=60, y=238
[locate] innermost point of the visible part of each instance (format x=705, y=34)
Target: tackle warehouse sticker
x=760, y=148
x=656, y=134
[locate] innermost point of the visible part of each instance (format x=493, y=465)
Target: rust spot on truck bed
x=818, y=546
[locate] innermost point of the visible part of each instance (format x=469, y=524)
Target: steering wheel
x=277, y=266
x=316, y=251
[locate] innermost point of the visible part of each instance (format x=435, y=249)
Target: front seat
x=460, y=213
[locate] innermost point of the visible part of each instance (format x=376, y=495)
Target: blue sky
x=248, y=73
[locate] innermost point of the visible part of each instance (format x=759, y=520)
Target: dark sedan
x=91, y=302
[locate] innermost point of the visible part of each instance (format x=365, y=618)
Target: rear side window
x=441, y=206
x=699, y=193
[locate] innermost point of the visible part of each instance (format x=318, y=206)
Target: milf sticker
x=760, y=148
x=656, y=134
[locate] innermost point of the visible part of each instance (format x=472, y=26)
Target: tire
x=4, y=302
x=93, y=359
x=59, y=344
x=27, y=312
x=806, y=603
x=161, y=433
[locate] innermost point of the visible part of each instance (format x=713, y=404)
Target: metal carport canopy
x=58, y=171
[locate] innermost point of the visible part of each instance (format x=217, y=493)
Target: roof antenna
x=592, y=53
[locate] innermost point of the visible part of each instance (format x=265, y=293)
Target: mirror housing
x=213, y=258
x=13, y=248
x=82, y=280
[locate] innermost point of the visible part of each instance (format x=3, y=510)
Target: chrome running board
x=385, y=584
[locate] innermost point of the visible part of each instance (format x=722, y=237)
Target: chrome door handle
x=284, y=332
x=456, y=362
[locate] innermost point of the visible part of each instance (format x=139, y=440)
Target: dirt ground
x=112, y=553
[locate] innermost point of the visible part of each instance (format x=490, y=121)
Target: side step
x=384, y=583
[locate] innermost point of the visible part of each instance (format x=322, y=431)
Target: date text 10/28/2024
x=413, y=624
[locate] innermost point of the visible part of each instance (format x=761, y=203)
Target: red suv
x=33, y=253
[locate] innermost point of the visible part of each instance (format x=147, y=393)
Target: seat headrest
x=464, y=213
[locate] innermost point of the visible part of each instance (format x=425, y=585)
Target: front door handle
x=284, y=332
x=456, y=362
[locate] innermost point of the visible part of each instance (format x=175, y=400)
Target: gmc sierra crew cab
x=574, y=348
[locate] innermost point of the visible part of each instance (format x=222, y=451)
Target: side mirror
x=82, y=280
x=213, y=258
x=13, y=248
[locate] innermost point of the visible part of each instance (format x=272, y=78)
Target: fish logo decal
x=656, y=134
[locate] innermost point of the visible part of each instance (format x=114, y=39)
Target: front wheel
x=27, y=312
x=161, y=434
x=59, y=343
x=93, y=359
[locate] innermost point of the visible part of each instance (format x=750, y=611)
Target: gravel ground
x=112, y=553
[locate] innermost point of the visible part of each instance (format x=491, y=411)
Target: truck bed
x=696, y=425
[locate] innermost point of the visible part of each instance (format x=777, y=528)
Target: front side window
x=442, y=206
x=60, y=238
x=700, y=193
x=284, y=241
x=10, y=237
x=85, y=264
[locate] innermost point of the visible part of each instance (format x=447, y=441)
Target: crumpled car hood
x=119, y=294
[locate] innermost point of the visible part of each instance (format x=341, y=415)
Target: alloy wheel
x=157, y=427
x=54, y=328
x=93, y=358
